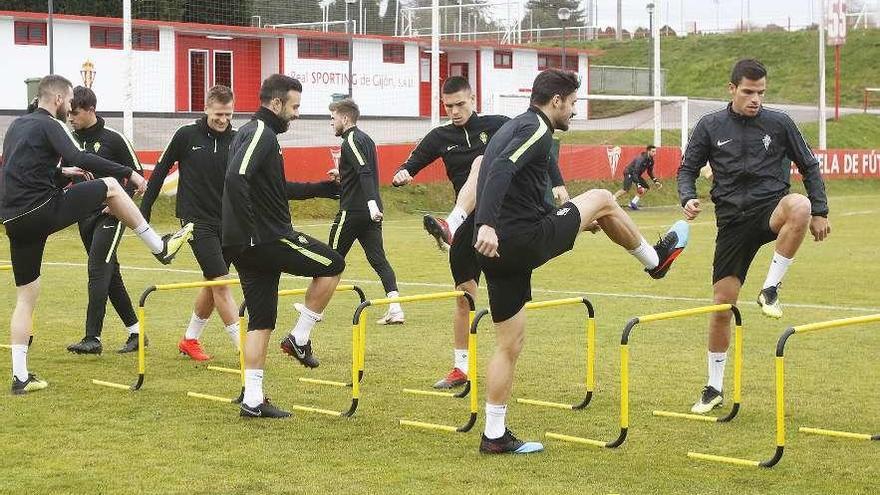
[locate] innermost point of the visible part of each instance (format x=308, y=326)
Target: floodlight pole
x=823, y=142
x=435, y=62
x=51, y=40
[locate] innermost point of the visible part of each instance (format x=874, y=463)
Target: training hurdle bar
x=780, y=396
x=241, y=335
x=624, y=374
x=142, y=317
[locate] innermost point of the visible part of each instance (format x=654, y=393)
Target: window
x=323, y=49
x=393, y=53
x=111, y=37
x=30, y=33
x=503, y=60
x=548, y=61
x=223, y=68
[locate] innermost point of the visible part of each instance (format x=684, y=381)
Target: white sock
x=232, y=330
x=19, y=361
x=394, y=307
x=461, y=359
x=253, y=388
x=636, y=199
x=134, y=329
x=195, y=328
x=646, y=254
x=717, y=360
x=455, y=219
x=150, y=237
x=777, y=270
x=495, y=414
x=302, y=331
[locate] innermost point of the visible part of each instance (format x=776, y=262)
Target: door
x=460, y=69
x=425, y=83
x=198, y=79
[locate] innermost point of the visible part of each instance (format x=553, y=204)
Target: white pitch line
x=851, y=213
x=545, y=291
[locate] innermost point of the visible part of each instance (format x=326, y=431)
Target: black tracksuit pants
x=351, y=226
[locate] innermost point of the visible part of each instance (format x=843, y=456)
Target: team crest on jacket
x=484, y=137
x=767, y=140
x=96, y=146
x=302, y=240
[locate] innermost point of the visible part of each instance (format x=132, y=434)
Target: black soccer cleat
x=171, y=243
x=131, y=345
x=508, y=444
x=302, y=353
x=710, y=399
x=264, y=410
x=32, y=384
x=439, y=230
x=88, y=345
x=768, y=300
x=669, y=247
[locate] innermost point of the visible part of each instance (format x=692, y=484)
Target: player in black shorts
x=460, y=144
x=518, y=231
x=101, y=232
x=34, y=206
x=749, y=148
x=201, y=151
x=259, y=238
x=360, y=206
x=633, y=173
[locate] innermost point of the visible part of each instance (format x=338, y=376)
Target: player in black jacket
x=33, y=206
x=259, y=239
x=519, y=230
x=360, y=207
x=201, y=151
x=460, y=144
x=101, y=232
x=633, y=173
x=748, y=148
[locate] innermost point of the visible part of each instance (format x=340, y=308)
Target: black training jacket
x=255, y=209
x=32, y=149
x=358, y=171
x=514, y=176
x=201, y=154
x=641, y=164
x=111, y=144
x=749, y=157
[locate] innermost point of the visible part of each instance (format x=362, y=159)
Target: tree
x=543, y=13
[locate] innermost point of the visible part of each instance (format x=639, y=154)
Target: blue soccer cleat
x=508, y=444
x=669, y=247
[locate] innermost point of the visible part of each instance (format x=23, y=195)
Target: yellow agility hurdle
x=624, y=374
x=142, y=317
x=780, y=396
x=241, y=336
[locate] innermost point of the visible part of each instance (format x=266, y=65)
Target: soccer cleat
x=768, y=299
x=710, y=399
x=171, y=243
x=88, y=345
x=439, y=230
x=391, y=318
x=193, y=349
x=634, y=206
x=265, y=410
x=302, y=353
x=508, y=444
x=669, y=247
x=32, y=384
x=454, y=378
x=131, y=345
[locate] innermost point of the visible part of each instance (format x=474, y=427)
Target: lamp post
x=88, y=73
x=350, y=46
x=564, y=14
x=650, y=9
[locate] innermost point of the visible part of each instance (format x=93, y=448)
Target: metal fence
x=612, y=79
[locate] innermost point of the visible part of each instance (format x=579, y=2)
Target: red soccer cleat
x=193, y=349
x=439, y=230
x=454, y=378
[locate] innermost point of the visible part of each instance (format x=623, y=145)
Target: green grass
x=79, y=438
x=699, y=66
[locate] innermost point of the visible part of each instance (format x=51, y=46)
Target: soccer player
x=261, y=242
x=101, y=232
x=749, y=148
x=360, y=207
x=33, y=206
x=201, y=151
x=518, y=230
x=633, y=173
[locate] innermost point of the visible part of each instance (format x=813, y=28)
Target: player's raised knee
x=799, y=208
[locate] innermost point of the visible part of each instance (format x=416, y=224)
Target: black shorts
x=260, y=267
x=739, y=240
x=509, y=277
x=350, y=226
x=629, y=179
x=463, y=261
x=28, y=233
x=207, y=249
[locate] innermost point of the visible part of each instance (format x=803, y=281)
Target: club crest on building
x=613, y=158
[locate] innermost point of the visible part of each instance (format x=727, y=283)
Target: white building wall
x=465, y=56
x=379, y=88
x=153, y=70
x=268, y=57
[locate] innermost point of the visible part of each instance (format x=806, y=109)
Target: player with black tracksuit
x=101, y=232
x=633, y=174
x=260, y=240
